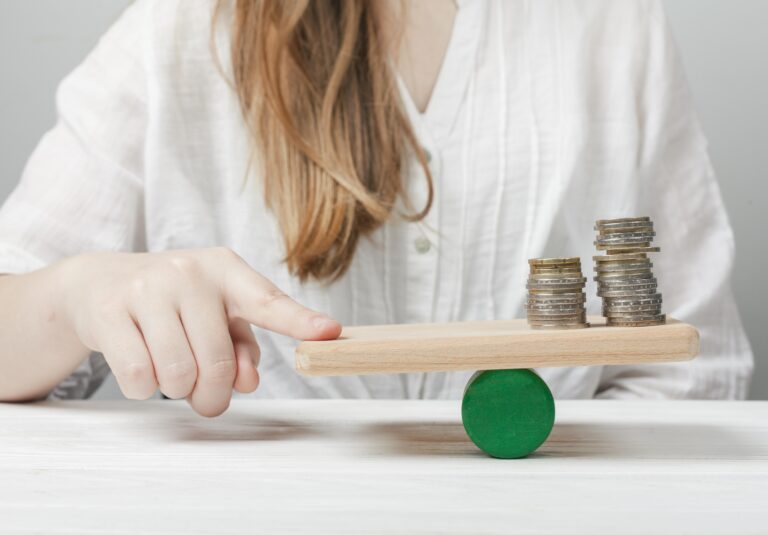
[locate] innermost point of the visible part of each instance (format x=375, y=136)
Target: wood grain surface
x=488, y=345
x=351, y=467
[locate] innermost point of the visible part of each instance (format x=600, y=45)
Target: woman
x=376, y=164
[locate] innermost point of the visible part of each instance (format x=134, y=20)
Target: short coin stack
x=556, y=294
x=624, y=276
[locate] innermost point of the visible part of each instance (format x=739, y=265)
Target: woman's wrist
x=61, y=283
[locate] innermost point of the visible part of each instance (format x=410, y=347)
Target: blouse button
x=427, y=155
x=422, y=245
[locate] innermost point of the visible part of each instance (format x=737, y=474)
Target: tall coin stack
x=624, y=276
x=556, y=294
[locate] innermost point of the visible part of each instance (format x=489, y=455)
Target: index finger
x=252, y=297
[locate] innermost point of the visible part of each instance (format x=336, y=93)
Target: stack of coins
x=556, y=294
x=624, y=276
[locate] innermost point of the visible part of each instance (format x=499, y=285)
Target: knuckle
x=220, y=371
x=140, y=286
x=186, y=265
x=136, y=380
x=272, y=296
x=227, y=254
x=109, y=309
x=135, y=373
x=178, y=374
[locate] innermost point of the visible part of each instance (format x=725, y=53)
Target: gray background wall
x=723, y=44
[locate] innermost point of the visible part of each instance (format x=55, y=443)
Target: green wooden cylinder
x=507, y=413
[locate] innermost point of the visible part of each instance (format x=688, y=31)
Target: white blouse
x=546, y=116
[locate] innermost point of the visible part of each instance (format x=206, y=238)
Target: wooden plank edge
x=588, y=348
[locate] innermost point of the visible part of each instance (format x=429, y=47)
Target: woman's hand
x=179, y=320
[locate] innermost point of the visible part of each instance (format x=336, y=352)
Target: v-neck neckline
x=455, y=72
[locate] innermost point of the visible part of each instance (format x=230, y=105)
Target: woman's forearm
x=38, y=347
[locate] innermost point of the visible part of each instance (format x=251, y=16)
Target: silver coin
x=626, y=279
x=637, y=316
x=625, y=282
x=607, y=231
x=658, y=320
x=640, y=316
x=608, y=268
x=644, y=300
x=556, y=279
x=632, y=314
x=607, y=305
x=617, y=277
x=643, y=234
x=622, y=236
x=611, y=274
x=555, y=312
x=626, y=293
x=622, y=221
x=562, y=318
x=557, y=299
x=557, y=309
x=579, y=316
x=631, y=308
x=558, y=326
x=550, y=320
x=623, y=244
x=555, y=306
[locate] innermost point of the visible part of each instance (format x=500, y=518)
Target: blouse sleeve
x=82, y=188
x=679, y=189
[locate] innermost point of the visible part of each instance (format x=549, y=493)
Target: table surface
x=379, y=466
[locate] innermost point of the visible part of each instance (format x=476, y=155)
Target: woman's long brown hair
x=316, y=88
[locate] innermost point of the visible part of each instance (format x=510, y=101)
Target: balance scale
x=507, y=409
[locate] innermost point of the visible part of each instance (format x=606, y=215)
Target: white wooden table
x=379, y=466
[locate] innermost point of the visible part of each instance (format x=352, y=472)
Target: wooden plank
x=492, y=345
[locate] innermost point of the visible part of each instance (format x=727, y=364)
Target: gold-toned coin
x=546, y=278
x=557, y=291
x=626, y=257
x=626, y=247
x=632, y=249
x=549, y=261
x=558, y=326
x=555, y=271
